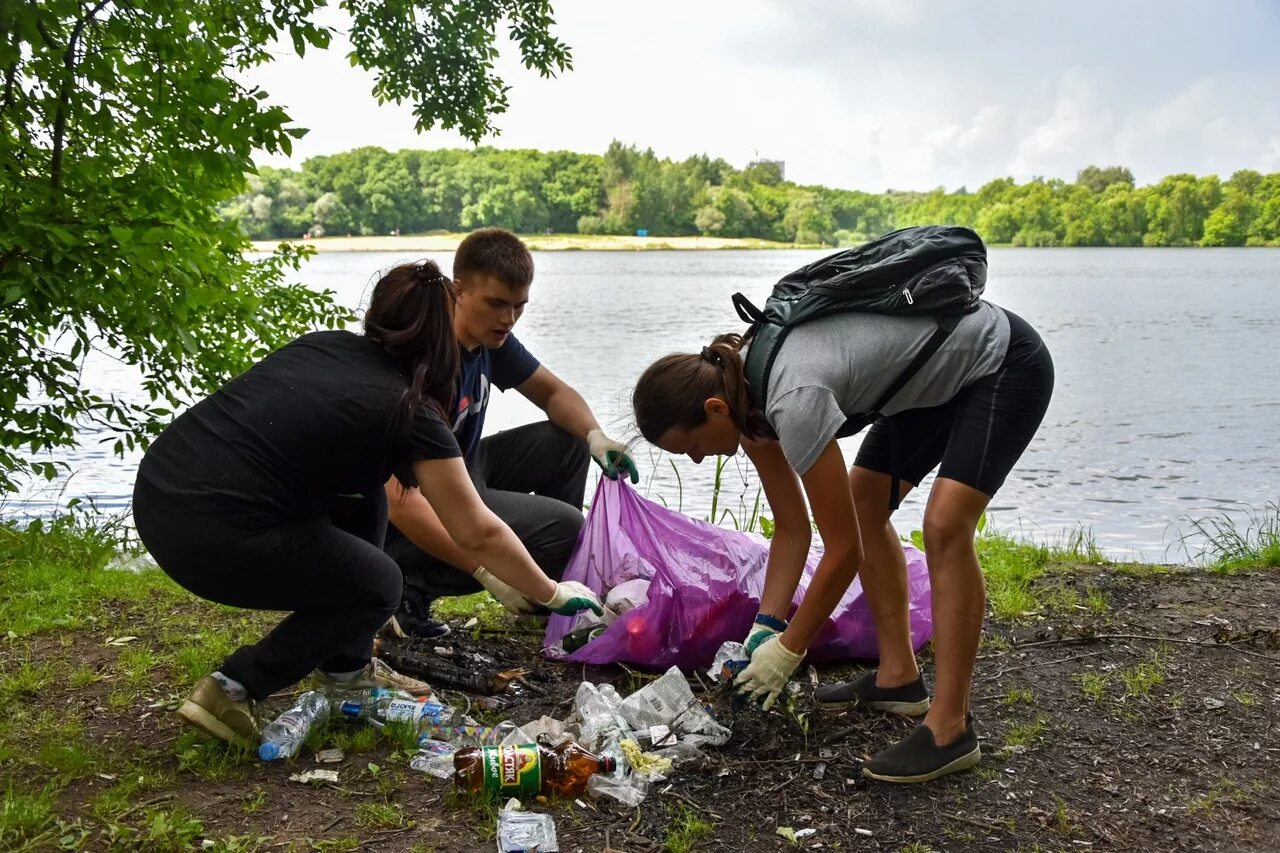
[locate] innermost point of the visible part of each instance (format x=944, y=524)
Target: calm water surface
x=1166, y=407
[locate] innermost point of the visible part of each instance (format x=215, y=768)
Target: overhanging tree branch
x=64, y=92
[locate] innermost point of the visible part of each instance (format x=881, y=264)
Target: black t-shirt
x=310, y=421
x=506, y=367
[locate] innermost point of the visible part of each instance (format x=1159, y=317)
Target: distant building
x=780, y=165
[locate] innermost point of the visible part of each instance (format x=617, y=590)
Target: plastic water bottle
x=387, y=706
x=284, y=736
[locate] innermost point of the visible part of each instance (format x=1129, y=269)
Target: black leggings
x=328, y=570
x=979, y=434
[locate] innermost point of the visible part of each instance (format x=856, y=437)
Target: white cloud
x=868, y=94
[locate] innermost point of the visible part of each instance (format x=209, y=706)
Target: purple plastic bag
x=705, y=585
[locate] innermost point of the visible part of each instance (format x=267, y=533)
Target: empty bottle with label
x=527, y=768
x=283, y=737
x=388, y=706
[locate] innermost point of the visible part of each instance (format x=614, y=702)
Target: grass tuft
x=1219, y=543
x=687, y=830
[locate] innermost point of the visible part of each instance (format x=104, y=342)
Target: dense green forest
x=372, y=191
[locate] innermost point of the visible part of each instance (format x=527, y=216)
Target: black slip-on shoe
x=909, y=700
x=917, y=758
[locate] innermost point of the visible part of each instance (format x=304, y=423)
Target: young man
x=532, y=477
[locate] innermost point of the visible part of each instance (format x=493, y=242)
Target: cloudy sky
x=867, y=94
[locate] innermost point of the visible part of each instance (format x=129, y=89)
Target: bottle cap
x=269, y=751
x=610, y=764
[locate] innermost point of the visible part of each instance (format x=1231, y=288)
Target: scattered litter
x=669, y=701
x=820, y=770
x=795, y=836
x=628, y=595
x=119, y=641
x=435, y=758
x=137, y=564
x=731, y=658
x=283, y=737
x=330, y=756
x=866, y=833
x=520, y=831
x=659, y=737
x=471, y=623
x=1213, y=704
x=317, y=776
x=652, y=766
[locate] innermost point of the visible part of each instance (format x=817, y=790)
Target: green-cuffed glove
x=766, y=675
x=762, y=629
x=572, y=597
x=612, y=456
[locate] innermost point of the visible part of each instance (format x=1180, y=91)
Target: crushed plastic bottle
x=283, y=737
x=731, y=658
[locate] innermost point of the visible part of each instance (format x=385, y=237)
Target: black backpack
x=927, y=270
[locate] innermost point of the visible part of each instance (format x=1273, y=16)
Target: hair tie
x=426, y=276
x=712, y=356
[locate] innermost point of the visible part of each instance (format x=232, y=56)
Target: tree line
x=372, y=191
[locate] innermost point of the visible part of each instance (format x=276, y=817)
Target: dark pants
x=534, y=478
x=329, y=570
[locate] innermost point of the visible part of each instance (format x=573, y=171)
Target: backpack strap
x=946, y=325
x=748, y=312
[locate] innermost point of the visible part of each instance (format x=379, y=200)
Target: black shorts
x=979, y=434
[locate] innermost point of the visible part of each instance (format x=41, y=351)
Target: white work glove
x=767, y=673
x=572, y=597
x=510, y=597
x=762, y=629
x=612, y=456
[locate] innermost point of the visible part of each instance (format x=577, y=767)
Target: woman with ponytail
x=268, y=494
x=970, y=411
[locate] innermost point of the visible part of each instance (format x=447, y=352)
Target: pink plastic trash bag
x=705, y=585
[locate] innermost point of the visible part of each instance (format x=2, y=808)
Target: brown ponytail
x=672, y=391
x=411, y=316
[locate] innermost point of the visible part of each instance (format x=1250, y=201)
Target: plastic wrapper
x=435, y=758
x=525, y=832
x=704, y=588
x=668, y=701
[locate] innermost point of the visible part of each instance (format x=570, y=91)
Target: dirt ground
x=1145, y=724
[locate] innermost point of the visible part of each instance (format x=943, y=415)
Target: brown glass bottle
x=527, y=768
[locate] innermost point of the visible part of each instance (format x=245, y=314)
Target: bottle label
x=514, y=769
x=414, y=710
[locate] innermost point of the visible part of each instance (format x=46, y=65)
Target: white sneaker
x=377, y=674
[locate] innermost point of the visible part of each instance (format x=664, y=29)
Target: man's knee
x=553, y=544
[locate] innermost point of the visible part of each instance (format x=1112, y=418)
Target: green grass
x=55, y=577
x=486, y=609
x=1079, y=546
x=1093, y=684
x=1140, y=679
x=210, y=759
x=1097, y=600
x=1224, y=548
x=1010, y=569
x=28, y=820
x=379, y=815
x=1018, y=696
x=686, y=831
x=1025, y=734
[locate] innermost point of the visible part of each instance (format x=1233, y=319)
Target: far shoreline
x=447, y=242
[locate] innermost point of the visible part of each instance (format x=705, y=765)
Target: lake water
x=1166, y=407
